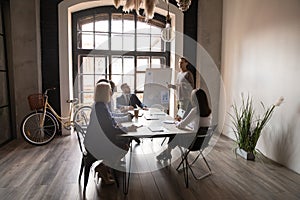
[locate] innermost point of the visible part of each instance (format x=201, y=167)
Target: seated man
x=128, y=101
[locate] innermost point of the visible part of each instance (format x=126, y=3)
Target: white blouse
x=194, y=121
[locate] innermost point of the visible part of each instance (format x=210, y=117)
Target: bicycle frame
x=63, y=120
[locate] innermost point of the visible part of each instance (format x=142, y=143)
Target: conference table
x=152, y=123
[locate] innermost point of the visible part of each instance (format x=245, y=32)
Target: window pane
x=129, y=79
x=117, y=79
x=4, y=125
x=98, y=77
x=87, y=98
x=128, y=67
x=142, y=27
x=86, y=40
x=155, y=30
x=101, y=22
x=116, y=41
x=87, y=83
x=156, y=43
x=128, y=26
x=87, y=65
x=116, y=23
x=143, y=42
x=128, y=42
x=100, y=65
x=140, y=81
x=158, y=62
x=86, y=24
x=3, y=89
x=116, y=65
x=101, y=41
x=143, y=63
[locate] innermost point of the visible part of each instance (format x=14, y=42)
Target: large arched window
x=117, y=46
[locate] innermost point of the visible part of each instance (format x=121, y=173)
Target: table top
x=159, y=124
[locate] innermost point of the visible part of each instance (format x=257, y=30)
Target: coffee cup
x=136, y=112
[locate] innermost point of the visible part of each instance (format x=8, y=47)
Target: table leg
x=126, y=177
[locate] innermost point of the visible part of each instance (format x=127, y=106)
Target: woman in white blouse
x=199, y=118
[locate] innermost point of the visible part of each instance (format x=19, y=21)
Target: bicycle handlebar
x=46, y=91
x=74, y=101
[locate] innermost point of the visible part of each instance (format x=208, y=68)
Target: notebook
x=156, y=128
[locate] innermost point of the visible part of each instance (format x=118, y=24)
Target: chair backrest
x=80, y=136
x=202, y=138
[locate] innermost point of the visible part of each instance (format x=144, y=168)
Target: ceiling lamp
x=167, y=34
x=149, y=6
x=183, y=4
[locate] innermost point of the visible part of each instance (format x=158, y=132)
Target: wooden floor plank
x=51, y=172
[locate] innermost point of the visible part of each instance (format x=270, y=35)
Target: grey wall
x=210, y=27
x=209, y=31
x=260, y=56
x=24, y=58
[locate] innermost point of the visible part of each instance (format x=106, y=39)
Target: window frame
x=110, y=10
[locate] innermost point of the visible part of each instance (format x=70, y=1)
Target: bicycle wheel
x=82, y=116
x=34, y=133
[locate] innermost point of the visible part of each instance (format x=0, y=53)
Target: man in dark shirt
x=128, y=101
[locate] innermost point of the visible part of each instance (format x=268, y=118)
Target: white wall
x=261, y=56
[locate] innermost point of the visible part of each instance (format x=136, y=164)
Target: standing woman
x=184, y=85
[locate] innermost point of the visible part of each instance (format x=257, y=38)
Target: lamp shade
x=167, y=34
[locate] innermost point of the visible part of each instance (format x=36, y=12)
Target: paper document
x=169, y=122
x=151, y=117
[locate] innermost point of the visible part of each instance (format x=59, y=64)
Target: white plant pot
x=244, y=154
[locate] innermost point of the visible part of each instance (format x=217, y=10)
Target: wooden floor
x=51, y=172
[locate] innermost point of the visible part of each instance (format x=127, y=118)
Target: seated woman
x=199, y=119
x=103, y=138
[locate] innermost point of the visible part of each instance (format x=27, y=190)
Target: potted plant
x=247, y=125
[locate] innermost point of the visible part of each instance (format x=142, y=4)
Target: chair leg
x=186, y=172
x=183, y=157
x=205, y=175
x=195, y=159
x=88, y=162
x=163, y=141
x=81, y=169
x=115, y=177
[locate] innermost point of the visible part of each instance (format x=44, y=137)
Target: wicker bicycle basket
x=36, y=101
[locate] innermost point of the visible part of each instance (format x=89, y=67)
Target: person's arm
x=188, y=119
x=134, y=100
x=190, y=78
x=122, y=117
x=118, y=102
x=172, y=86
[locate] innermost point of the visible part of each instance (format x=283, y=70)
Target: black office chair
x=87, y=158
x=200, y=142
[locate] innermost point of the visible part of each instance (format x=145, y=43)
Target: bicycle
x=39, y=127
